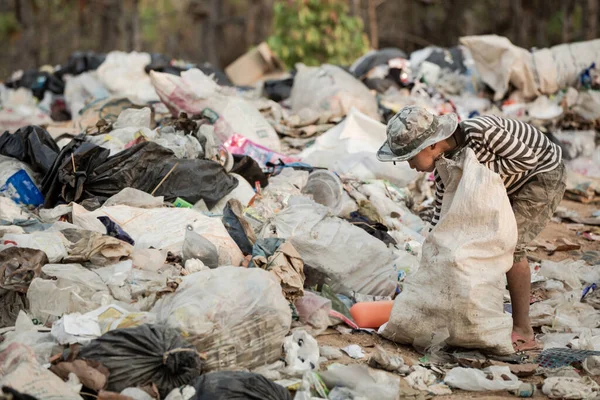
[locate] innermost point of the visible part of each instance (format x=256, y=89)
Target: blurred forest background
x=39, y=32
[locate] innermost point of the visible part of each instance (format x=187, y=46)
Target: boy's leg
x=533, y=205
x=519, y=286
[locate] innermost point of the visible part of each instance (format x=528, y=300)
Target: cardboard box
x=255, y=65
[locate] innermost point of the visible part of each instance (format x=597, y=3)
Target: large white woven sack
x=459, y=284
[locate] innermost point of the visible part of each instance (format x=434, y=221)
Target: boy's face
x=424, y=161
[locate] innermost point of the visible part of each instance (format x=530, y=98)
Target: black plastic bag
x=452, y=59
x=249, y=169
x=145, y=165
x=379, y=57
x=80, y=62
x=38, y=82
x=10, y=393
x=31, y=145
x=144, y=355
x=113, y=229
x=278, y=89
x=238, y=228
x=61, y=184
x=233, y=385
x=374, y=229
x=141, y=167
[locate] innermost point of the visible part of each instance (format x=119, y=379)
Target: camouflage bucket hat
x=413, y=129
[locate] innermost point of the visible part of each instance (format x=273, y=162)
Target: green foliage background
x=315, y=32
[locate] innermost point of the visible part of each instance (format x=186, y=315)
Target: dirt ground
x=555, y=230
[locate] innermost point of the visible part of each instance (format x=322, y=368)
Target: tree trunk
x=591, y=18
x=209, y=34
x=44, y=22
x=132, y=26
x=254, y=8
x=355, y=8
x=516, y=8
x=29, y=53
x=567, y=9
x=110, y=24
x=541, y=24
x=373, y=29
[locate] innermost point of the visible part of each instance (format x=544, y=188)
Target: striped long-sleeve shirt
x=515, y=150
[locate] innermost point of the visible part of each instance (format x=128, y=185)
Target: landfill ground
x=367, y=341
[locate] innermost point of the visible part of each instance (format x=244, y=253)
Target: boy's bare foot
x=524, y=342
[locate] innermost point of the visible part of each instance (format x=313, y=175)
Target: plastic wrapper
x=238, y=144
x=148, y=354
x=460, y=282
x=314, y=310
x=237, y=316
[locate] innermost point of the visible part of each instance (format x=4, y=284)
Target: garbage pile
x=167, y=235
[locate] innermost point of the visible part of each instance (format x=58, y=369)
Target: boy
x=528, y=162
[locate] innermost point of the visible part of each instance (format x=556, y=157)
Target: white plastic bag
x=238, y=316
x=301, y=353
x=134, y=198
x=26, y=333
x=11, y=212
x=75, y=289
x=570, y=388
x=124, y=75
x=51, y=243
x=162, y=228
x=193, y=92
x=460, y=283
x=324, y=243
x=491, y=378
x=350, y=148
x=330, y=92
x=19, y=109
x=81, y=89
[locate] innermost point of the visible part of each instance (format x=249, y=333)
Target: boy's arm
x=437, y=201
x=514, y=156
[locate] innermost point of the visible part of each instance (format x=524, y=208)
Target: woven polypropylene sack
x=460, y=283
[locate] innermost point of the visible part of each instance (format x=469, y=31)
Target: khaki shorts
x=534, y=205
